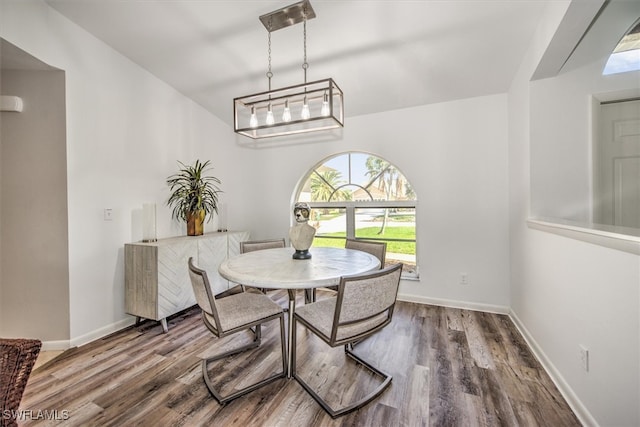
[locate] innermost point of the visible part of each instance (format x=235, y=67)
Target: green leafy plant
x=193, y=191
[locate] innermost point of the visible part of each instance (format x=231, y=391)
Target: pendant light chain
x=305, y=114
x=305, y=64
x=269, y=73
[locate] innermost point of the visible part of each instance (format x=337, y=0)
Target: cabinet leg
x=165, y=327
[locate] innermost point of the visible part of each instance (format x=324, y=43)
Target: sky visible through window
x=626, y=55
x=356, y=176
x=358, y=168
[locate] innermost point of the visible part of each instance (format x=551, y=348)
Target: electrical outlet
x=584, y=358
x=464, y=279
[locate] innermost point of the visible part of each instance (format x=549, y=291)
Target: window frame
x=350, y=207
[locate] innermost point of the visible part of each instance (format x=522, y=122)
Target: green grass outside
x=408, y=248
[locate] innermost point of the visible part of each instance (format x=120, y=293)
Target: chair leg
x=257, y=334
x=351, y=345
x=255, y=343
x=359, y=359
x=283, y=344
x=293, y=338
x=334, y=413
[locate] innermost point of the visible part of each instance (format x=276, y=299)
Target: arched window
x=359, y=195
x=626, y=56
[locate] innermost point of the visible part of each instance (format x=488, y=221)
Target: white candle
x=222, y=217
x=149, y=222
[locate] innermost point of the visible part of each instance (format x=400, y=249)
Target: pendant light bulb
x=253, y=121
x=286, y=114
x=270, y=120
x=325, y=111
x=306, y=114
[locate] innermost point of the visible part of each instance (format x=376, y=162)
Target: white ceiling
x=384, y=54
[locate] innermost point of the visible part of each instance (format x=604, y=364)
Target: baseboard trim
x=87, y=338
x=489, y=308
x=101, y=332
x=55, y=345
x=567, y=392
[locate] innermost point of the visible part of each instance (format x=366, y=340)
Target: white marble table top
x=276, y=269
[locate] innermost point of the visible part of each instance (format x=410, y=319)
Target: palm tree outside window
x=360, y=195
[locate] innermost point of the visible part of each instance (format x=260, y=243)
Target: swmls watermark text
x=24, y=415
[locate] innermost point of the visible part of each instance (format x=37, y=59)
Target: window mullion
x=351, y=221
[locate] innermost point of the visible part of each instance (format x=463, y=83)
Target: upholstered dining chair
x=364, y=305
x=258, y=245
x=17, y=357
x=249, y=246
x=377, y=249
x=232, y=314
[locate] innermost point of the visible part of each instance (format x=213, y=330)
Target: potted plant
x=194, y=195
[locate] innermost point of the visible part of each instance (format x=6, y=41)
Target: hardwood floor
x=46, y=356
x=450, y=367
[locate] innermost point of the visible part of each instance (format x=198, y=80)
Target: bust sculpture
x=301, y=233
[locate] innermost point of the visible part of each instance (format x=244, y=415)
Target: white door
x=617, y=164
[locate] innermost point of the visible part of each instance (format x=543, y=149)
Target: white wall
x=455, y=156
x=35, y=263
x=125, y=131
x=564, y=292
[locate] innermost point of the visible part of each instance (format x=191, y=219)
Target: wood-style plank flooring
x=450, y=367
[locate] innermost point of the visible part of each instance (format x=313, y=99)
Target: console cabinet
x=157, y=282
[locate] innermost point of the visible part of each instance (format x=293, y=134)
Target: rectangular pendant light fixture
x=306, y=107
x=324, y=102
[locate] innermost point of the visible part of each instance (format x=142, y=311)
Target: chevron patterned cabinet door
x=234, y=241
x=174, y=286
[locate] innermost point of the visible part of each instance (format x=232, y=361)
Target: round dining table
x=276, y=269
